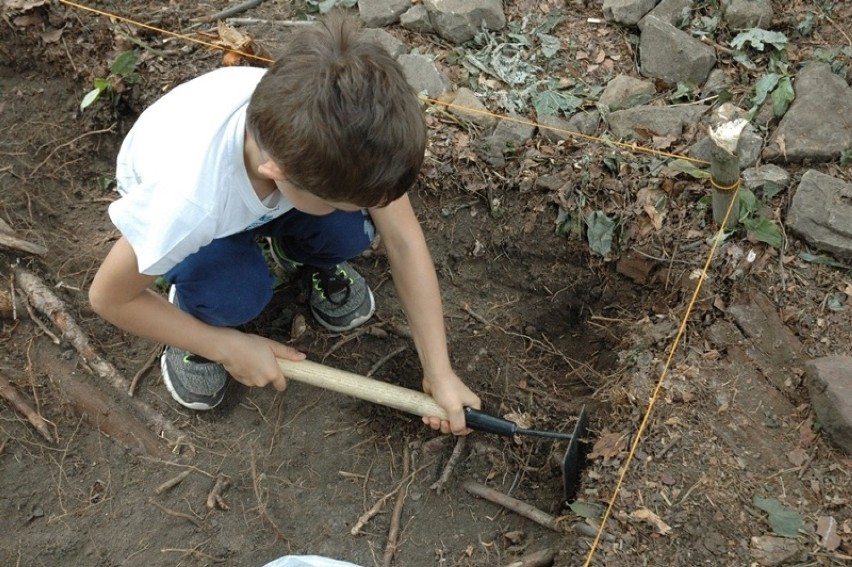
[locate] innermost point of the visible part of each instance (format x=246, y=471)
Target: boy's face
x=310, y=204
x=302, y=200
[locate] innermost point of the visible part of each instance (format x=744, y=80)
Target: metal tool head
x=575, y=457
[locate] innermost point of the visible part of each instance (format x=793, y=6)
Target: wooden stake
x=725, y=172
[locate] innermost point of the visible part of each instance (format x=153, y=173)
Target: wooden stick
x=146, y=366
x=175, y=513
x=20, y=403
x=10, y=242
x=521, y=508
x=215, y=498
x=368, y=515
x=232, y=11
x=393, y=531
x=251, y=21
x=438, y=485
x=172, y=482
x=50, y=305
x=542, y=558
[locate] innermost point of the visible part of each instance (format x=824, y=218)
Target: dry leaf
x=827, y=531
x=52, y=36
x=609, y=445
x=231, y=38
x=647, y=516
x=27, y=20
x=23, y=5
x=798, y=457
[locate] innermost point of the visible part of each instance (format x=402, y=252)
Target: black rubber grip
x=481, y=421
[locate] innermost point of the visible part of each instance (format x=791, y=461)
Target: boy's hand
x=452, y=395
x=251, y=360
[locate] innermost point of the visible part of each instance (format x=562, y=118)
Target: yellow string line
x=164, y=32
x=632, y=147
x=733, y=186
x=526, y=122
x=655, y=395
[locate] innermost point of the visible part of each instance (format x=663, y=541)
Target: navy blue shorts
x=228, y=283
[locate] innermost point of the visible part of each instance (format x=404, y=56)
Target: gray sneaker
x=288, y=269
x=340, y=298
x=193, y=381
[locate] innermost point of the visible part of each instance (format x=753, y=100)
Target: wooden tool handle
x=361, y=387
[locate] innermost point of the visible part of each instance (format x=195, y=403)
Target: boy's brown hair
x=336, y=113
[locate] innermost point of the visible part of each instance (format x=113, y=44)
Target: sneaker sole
x=352, y=324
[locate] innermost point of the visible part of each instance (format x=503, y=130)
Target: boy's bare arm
x=122, y=296
x=417, y=284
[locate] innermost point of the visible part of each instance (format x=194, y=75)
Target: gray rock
x=821, y=213
x=626, y=12
x=829, y=382
x=459, y=20
x=558, y=129
x=378, y=13
x=773, y=551
x=467, y=99
x=585, y=122
x=745, y=14
x=554, y=128
x=716, y=82
x=818, y=125
x=377, y=35
x=417, y=20
x=423, y=75
x=676, y=12
x=624, y=91
x=660, y=120
x=668, y=53
x=508, y=137
x=756, y=178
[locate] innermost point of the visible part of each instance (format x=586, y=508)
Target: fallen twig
x=381, y=362
x=10, y=242
x=17, y=400
x=68, y=143
x=251, y=21
x=232, y=11
x=393, y=531
x=50, y=305
x=175, y=513
x=368, y=515
x=374, y=330
x=215, y=498
x=261, y=504
x=458, y=450
x=521, y=508
x=146, y=366
x=542, y=558
x=172, y=482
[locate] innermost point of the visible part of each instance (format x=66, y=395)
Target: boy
x=316, y=154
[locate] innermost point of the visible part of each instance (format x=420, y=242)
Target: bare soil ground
x=538, y=326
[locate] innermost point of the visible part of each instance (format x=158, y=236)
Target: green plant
x=777, y=83
x=122, y=73
x=758, y=226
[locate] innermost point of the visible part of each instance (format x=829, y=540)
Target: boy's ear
x=271, y=170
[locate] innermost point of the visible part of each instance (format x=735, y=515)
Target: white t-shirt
x=181, y=174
